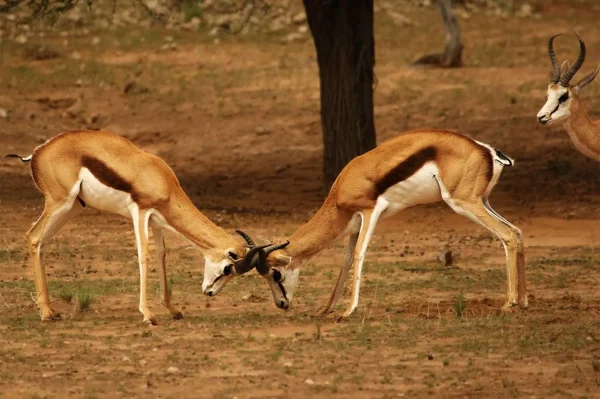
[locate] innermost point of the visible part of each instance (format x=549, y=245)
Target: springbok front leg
x=512, y=240
x=369, y=221
x=140, y=227
x=53, y=218
x=339, y=285
x=159, y=241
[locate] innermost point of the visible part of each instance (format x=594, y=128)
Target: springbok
x=563, y=103
x=105, y=171
x=415, y=168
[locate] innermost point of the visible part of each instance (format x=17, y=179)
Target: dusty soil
x=238, y=122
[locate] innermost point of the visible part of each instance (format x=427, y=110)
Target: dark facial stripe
x=405, y=169
x=106, y=175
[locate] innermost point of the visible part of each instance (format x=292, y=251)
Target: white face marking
x=214, y=278
x=289, y=280
x=420, y=188
x=555, y=110
x=102, y=197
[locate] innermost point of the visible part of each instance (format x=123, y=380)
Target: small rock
x=299, y=18
x=399, y=19
x=21, y=39
x=75, y=55
x=143, y=362
x=39, y=52
x=261, y=130
x=302, y=29
x=282, y=168
x=430, y=357
x=308, y=381
x=125, y=359
x=95, y=41
x=3, y=113
x=133, y=87
x=172, y=370
x=287, y=364
x=214, y=31
x=526, y=10
x=31, y=116
x=293, y=37
x=169, y=46
x=445, y=257
x=75, y=110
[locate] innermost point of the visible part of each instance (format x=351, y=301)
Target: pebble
x=172, y=370
x=308, y=381
x=3, y=113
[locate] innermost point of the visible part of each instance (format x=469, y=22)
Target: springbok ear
x=282, y=260
x=586, y=80
x=564, y=68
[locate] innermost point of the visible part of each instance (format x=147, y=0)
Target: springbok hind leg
x=53, y=218
x=512, y=240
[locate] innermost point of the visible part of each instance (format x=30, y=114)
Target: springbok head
x=218, y=274
x=562, y=97
x=275, y=268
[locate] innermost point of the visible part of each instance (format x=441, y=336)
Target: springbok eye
x=276, y=276
x=227, y=270
x=564, y=97
x=233, y=256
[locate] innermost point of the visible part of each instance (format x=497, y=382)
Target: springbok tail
x=23, y=159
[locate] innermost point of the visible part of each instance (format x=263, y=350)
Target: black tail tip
x=23, y=159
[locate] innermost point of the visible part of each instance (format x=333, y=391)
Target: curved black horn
x=261, y=264
x=246, y=264
x=555, y=66
x=566, y=78
x=246, y=237
x=276, y=247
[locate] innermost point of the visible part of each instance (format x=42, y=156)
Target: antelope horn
x=555, y=67
x=566, y=78
x=276, y=247
x=247, y=238
x=247, y=263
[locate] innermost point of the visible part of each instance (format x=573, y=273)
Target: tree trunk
x=342, y=31
x=452, y=55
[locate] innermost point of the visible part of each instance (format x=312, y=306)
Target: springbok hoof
x=51, y=316
x=177, y=316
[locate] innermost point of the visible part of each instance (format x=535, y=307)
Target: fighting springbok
x=563, y=103
x=105, y=171
x=415, y=168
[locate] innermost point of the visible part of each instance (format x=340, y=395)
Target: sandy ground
x=238, y=122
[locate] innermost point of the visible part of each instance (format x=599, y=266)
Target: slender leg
x=370, y=218
x=140, y=227
x=521, y=278
x=511, y=238
x=159, y=242
x=53, y=218
x=348, y=260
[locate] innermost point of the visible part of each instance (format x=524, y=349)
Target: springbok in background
x=563, y=103
x=105, y=171
x=414, y=168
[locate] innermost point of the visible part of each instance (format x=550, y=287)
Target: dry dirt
x=239, y=123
